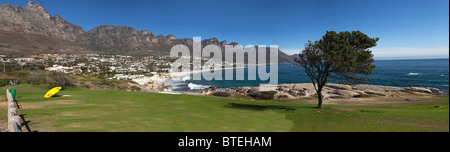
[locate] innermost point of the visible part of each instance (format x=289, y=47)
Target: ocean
x=398, y=73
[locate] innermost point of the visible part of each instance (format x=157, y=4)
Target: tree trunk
x=319, y=96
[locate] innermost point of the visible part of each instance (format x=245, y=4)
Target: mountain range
x=32, y=30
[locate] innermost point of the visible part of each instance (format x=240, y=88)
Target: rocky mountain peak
x=213, y=41
x=223, y=43
x=58, y=19
x=233, y=43
x=171, y=37
x=114, y=28
x=38, y=9
x=160, y=36
x=147, y=33
x=4, y=6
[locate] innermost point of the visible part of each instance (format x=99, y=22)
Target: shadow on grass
x=258, y=107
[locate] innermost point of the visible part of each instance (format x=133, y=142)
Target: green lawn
x=109, y=111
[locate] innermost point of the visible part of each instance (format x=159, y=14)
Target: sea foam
x=193, y=86
x=413, y=74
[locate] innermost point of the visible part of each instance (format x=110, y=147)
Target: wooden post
x=9, y=96
x=10, y=125
x=11, y=113
x=14, y=121
x=17, y=124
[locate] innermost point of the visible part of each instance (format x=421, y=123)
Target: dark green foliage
x=5, y=82
x=222, y=94
x=266, y=95
x=345, y=54
x=105, y=82
x=135, y=88
x=50, y=79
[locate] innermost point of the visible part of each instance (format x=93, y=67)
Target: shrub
x=5, y=82
x=223, y=94
x=105, y=82
x=135, y=88
x=266, y=95
x=50, y=79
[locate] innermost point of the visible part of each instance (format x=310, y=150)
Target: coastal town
x=146, y=74
x=126, y=67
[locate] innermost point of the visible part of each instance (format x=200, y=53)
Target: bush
x=50, y=79
x=223, y=94
x=135, y=88
x=105, y=82
x=5, y=82
x=266, y=95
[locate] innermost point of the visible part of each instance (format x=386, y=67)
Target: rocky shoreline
x=159, y=83
x=330, y=91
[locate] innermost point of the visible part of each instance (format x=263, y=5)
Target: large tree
x=340, y=55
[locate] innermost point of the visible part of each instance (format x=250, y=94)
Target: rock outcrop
x=34, y=19
x=339, y=91
x=155, y=86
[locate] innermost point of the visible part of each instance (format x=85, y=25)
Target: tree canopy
x=343, y=54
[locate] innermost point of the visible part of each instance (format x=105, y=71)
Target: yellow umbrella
x=52, y=92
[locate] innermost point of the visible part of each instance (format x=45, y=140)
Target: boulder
x=298, y=87
x=283, y=89
x=372, y=92
x=418, y=89
x=213, y=88
x=359, y=92
x=297, y=93
x=253, y=90
x=242, y=90
x=434, y=90
x=281, y=95
x=149, y=86
x=339, y=86
x=303, y=86
x=167, y=86
x=286, y=86
x=422, y=90
x=376, y=88
x=347, y=93
x=206, y=92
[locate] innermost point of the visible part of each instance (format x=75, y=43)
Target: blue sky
x=407, y=29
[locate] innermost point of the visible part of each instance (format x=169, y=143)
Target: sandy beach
x=164, y=78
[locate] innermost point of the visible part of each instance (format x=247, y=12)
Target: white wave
x=443, y=75
x=176, y=79
x=187, y=77
x=413, y=74
x=196, y=86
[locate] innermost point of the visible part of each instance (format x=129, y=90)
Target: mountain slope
x=32, y=30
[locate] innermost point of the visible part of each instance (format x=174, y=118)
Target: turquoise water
x=399, y=73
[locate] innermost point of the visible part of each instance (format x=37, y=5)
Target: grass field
x=111, y=111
